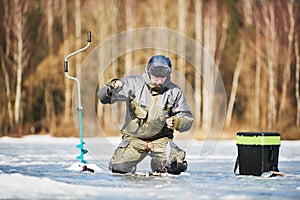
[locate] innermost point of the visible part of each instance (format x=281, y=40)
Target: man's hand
x=173, y=122
x=170, y=122
x=118, y=85
x=114, y=86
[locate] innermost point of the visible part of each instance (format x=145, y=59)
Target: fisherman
x=155, y=108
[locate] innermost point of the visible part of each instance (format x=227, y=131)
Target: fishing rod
x=79, y=108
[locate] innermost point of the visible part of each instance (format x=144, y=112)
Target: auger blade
x=80, y=146
x=84, y=151
x=80, y=157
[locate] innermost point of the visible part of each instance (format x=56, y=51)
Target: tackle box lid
x=258, y=138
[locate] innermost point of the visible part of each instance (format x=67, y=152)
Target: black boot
x=175, y=167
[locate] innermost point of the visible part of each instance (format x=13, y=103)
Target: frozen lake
x=35, y=167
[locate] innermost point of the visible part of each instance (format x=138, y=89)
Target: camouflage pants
x=131, y=151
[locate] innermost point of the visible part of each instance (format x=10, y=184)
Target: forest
x=252, y=46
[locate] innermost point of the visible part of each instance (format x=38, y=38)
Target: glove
x=173, y=123
x=176, y=122
x=114, y=86
x=182, y=123
x=137, y=109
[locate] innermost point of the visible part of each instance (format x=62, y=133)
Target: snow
x=21, y=186
x=44, y=167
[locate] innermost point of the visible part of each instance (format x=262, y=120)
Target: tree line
x=254, y=44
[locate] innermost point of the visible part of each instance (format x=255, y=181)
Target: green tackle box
x=257, y=152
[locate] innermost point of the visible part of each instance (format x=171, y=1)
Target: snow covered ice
x=44, y=167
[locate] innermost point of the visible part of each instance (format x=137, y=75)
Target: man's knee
x=122, y=168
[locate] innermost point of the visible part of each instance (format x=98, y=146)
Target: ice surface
x=44, y=167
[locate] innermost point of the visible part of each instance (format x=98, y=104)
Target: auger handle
x=89, y=40
x=89, y=36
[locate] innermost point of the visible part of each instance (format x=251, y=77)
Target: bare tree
x=78, y=34
x=101, y=12
x=287, y=69
x=115, y=4
x=160, y=21
x=198, y=62
x=64, y=20
x=209, y=44
x=8, y=93
x=21, y=56
x=223, y=39
x=181, y=43
x=49, y=101
x=272, y=45
x=247, y=11
x=257, y=75
x=50, y=26
x=113, y=10
x=19, y=37
x=68, y=94
x=235, y=80
x=297, y=79
x=130, y=8
x=5, y=61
